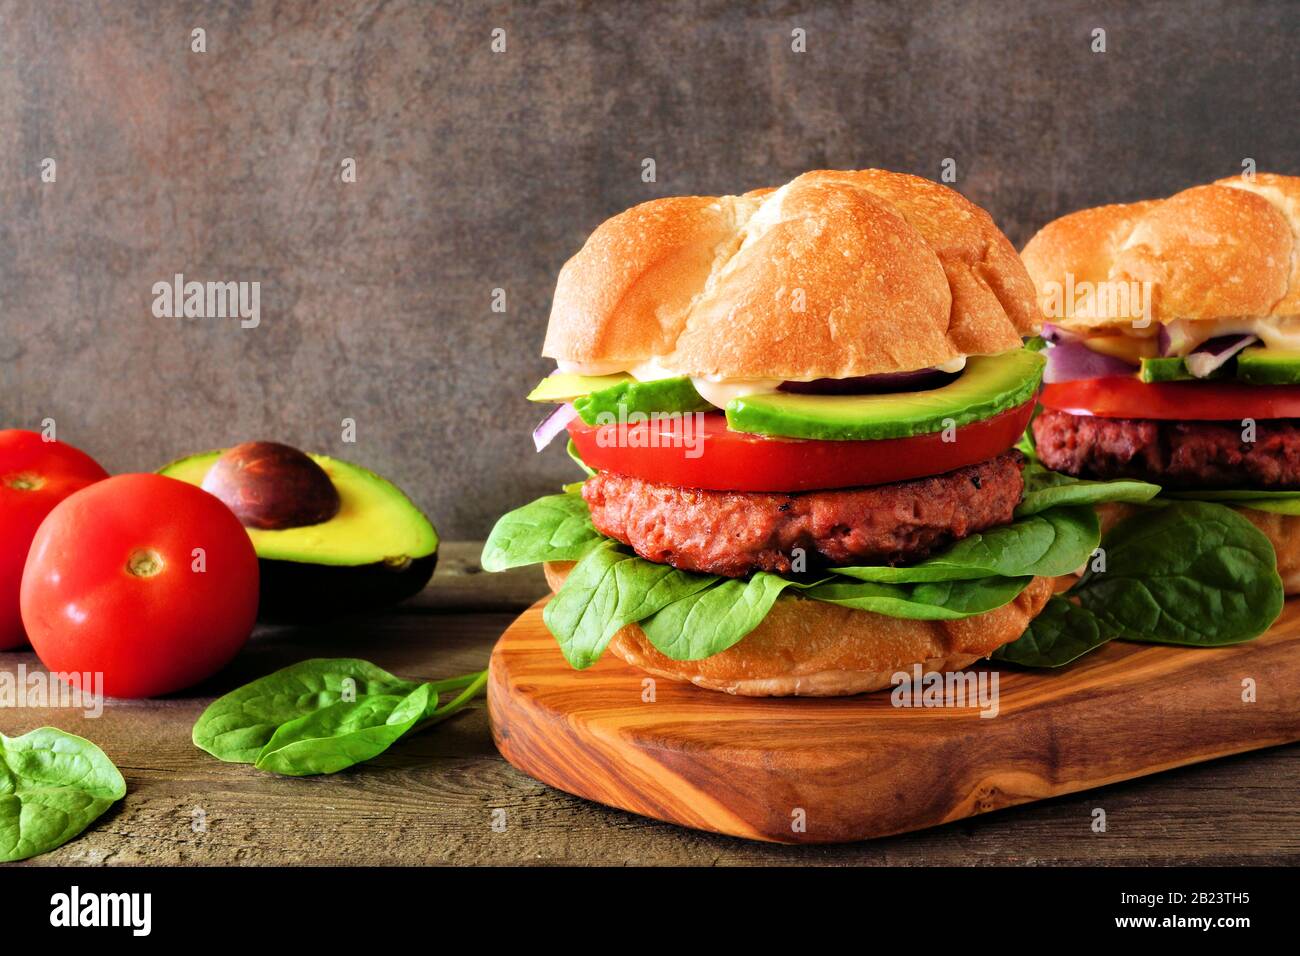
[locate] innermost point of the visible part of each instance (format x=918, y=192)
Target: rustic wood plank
x=431, y=799
x=827, y=770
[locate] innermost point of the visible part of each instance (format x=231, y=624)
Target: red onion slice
x=1164, y=342
x=919, y=380
x=1056, y=335
x=1212, y=354
x=1071, y=361
x=553, y=424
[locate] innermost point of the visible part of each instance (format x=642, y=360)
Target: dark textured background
x=478, y=170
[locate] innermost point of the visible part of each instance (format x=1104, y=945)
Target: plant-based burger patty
x=1175, y=454
x=733, y=533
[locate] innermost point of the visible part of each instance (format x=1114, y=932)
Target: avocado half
x=377, y=550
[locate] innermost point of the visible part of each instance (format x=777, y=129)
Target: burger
x=798, y=410
x=1174, y=351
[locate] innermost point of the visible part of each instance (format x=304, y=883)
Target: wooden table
x=436, y=798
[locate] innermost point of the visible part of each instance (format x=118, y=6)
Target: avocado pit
x=272, y=486
x=378, y=548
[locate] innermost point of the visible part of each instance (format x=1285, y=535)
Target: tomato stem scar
x=24, y=481
x=145, y=563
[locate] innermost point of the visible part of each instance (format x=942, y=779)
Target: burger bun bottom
x=810, y=648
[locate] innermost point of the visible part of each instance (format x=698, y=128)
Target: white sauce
x=714, y=389
x=588, y=368
x=1276, y=332
x=720, y=393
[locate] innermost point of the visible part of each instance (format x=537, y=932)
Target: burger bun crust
x=835, y=274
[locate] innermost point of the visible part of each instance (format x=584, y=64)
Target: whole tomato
x=147, y=580
x=35, y=475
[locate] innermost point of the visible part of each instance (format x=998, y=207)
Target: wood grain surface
x=447, y=797
x=819, y=770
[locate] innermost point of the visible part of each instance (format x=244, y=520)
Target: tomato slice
x=1127, y=397
x=674, y=452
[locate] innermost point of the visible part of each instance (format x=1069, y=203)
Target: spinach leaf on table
x=342, y=734
x=52, y=786
x=237, y=726
x=324, y=715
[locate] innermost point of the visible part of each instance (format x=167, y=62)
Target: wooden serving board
x=859, y=767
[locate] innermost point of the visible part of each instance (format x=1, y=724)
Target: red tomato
x=736, y=461
x=116, y=583
x=35, y=475
x=1127, y=397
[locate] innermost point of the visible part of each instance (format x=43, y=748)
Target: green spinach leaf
x=554, y=528
x=709, y=620
x=925, y=601
x=345, y=733
x=1189, y=573
x=323, y=715
x=237, y=726
x=1055, y=542
x=1046, y=489
x=52, y=786
x=1062, y=632
x=607, y=590
x=1278, y=502
x=572, y=449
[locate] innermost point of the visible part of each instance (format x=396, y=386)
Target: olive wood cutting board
x=829, y=770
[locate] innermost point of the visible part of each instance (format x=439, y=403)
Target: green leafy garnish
x=1189, y=573
x=607, y=590
x=1054, y=542
x=1061, y=633
x=324, y=715
x=1278, y=502
x=554, y=528
x=688, y=616
x=1192, y=573
x=572, y=450
x=1046, y=489
x=52, y=786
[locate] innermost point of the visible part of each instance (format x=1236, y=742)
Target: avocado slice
x=563, y=386
x=661, y=395
x=377, y=550
x=1264, y=366
x=988, y=385
x=1170, y=369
